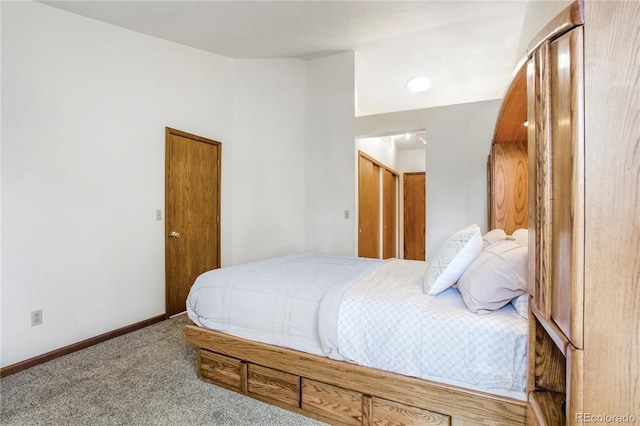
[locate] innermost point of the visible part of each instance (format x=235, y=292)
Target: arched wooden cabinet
x=577, y=88
x=507, y=163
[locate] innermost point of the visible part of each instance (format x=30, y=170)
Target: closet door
x=389, y=216
x=368, y=208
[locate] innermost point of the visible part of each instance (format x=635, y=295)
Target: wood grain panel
x=389, y=215
x=274, y=384
x=567, y=182
x=575, y=384
x=463, y=404
x=533, y=184
x=513, y=110
x=546, y=408
x=545, y=177
x=612, y=247
x=540, y=194
x=550, y=365
x=221, y=370
x=415, y=206
x=389, y=413
x=509, y=199
x=332, y=402
x=368, y=208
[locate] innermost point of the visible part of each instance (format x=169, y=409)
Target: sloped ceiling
x=467, y=49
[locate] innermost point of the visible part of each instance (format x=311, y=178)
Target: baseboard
x=23, y=365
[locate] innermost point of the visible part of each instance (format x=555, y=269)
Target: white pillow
x=493, y=236
x=521, y=236
x=452, y=259
x=521, y=305
x=497, y=276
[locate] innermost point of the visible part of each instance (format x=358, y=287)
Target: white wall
x=329, y=155
x=458, y=143
x=268, y=163
x=84, y=108
x=411, y=160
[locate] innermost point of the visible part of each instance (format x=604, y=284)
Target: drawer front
x=332, y=402
x=388, y=413
x=274, y=384
x=222, y=370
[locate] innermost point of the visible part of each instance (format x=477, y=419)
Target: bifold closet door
x=389, y=216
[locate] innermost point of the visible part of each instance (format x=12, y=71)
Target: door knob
x=174, y=234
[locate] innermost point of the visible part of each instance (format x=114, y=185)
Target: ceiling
x=467, y=49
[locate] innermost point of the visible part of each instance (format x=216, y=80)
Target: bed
x=365, y=341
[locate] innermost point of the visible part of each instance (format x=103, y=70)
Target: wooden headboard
x=507, y=164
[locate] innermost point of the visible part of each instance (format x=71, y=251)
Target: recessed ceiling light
x=418, y=84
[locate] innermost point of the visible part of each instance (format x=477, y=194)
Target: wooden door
x=414, y=216
x=368, y=208
x=389, y=216
x=192, y=206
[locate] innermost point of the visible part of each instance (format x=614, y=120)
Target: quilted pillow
x=496, y=277
x=452, y=259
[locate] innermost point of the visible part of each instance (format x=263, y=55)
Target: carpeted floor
x=147, y=377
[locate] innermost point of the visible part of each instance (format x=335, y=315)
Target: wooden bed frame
x=339, y=392
x=348, y=394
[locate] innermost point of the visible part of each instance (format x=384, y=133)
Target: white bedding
x=277, y=300
x=369, y=312
x=386, y=321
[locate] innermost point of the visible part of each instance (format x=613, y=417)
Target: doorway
x=192, y=213
x=382, y=162
x=414, y=215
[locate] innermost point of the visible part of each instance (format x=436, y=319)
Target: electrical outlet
x=36, y=317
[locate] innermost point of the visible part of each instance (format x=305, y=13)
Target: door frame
x=405, y=211
x=168, y=132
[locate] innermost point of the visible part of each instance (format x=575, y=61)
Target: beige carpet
x=147, y=377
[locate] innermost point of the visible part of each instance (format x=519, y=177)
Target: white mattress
x=369, y=312
x=274, y=301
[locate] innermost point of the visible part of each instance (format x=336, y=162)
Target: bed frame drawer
x=332, y=402
x=389, y=413
x=222, y=370
x=274, y=385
